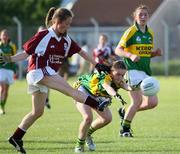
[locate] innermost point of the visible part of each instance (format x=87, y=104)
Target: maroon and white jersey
x=100, y=54
x=46, y=49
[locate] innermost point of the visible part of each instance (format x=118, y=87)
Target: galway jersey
x=9, y=50
x=93, y=83
x=47, y=49
x=138, y=43
x=100, y=54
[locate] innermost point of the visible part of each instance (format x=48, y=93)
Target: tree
x=29, y=12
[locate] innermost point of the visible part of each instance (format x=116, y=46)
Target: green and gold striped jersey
x=93, y=83
x=8, y=49
x=138, y=43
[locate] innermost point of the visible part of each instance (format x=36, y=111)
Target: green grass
x=156, y=131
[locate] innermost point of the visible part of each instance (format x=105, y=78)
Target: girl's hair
x=141, y=7
x=61, y=14
x=119, y=64
x=4, y=31
x=104, y=36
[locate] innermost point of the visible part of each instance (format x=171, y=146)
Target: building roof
x=108, y=12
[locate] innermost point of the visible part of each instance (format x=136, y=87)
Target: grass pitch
x=156, y=131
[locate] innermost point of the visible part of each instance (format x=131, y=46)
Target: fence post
x=96, y=30
x=166, y=48
x=19, y=38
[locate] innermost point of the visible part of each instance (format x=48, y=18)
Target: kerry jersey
x=93, y=83
x=9, y=50
x=138, y=43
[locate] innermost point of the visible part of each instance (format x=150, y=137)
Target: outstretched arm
x=120, y=52
x=109, y=89
x=87, y=57
x=18, y=57
x=99, y=67
x=113, y=93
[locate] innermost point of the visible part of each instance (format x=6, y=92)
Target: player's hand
x=102, y=68
x=4, y=58
x=157, y=52
x=117, y=96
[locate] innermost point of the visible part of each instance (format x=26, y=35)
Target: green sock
x=90, y=131
x=2, y=103
x=126, y=124
x=80, y=142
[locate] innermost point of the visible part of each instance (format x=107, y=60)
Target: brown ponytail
x=48, y=20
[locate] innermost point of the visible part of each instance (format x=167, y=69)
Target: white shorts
x=135, y=77
x=7, y=76
x=34, y=76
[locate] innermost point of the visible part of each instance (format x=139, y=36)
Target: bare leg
x=136, y=100
x=38, y=100
x=139, y=103
x=4, y=88
x=87, y=116
x=148, y=103
x=59, y=83
x=103, y=119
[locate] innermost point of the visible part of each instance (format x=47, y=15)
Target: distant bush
x=159, y=69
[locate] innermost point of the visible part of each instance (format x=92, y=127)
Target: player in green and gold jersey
x=99, y=86
x=136, y=47
x=6, y=69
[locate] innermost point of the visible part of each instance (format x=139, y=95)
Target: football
x=150, y=86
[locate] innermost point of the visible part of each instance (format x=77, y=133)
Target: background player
x=7, y=70
x=103, y=53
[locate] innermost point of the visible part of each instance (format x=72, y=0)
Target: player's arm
x=122, y=53
x=113, y=93
x=109, y=89
x=87, y=57
x=98, y=66
x=18, y=57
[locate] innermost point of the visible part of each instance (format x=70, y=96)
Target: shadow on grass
x=55, y=141
x=56, y=145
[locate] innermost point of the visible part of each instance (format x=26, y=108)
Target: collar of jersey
x=102, y=48
x=138, y=29
x=53, y=34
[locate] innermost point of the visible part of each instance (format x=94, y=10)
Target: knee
x=88, y=120
x=37, y=114
x=153, y=104
x=107, y=120
x=136, y=105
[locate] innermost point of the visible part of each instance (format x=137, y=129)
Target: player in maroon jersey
x=47, y=50
x=103, y=53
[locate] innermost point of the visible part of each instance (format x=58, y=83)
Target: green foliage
x=31, y=12
x=158, y=68
x=156, y=131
